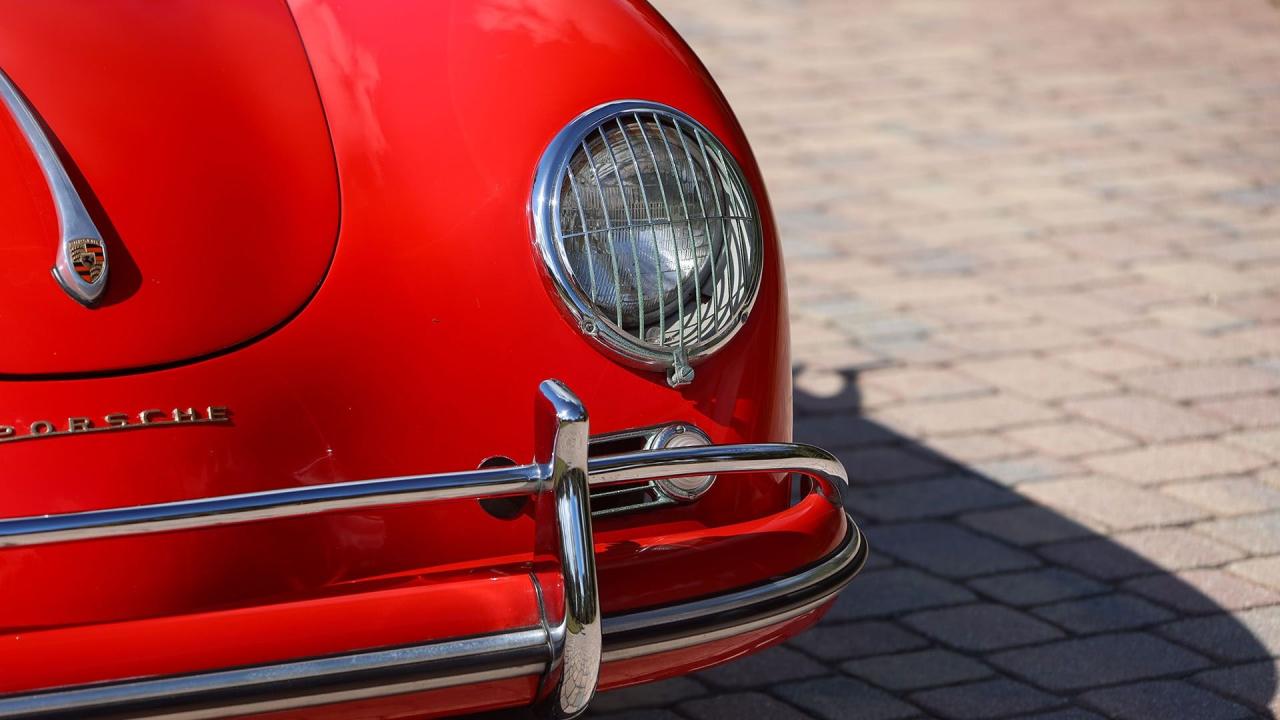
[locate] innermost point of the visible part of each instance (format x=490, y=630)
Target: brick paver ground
x=1034, y=259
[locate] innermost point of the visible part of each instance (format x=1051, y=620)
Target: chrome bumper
x=566, y=650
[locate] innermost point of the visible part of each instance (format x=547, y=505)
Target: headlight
x=650, y=234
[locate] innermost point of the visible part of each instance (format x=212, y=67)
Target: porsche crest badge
x=88, y=258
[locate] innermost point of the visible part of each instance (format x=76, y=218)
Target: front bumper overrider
x=567, y=649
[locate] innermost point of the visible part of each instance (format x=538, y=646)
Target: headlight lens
x=650, y=232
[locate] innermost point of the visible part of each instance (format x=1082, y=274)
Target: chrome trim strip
x=74, y=223
x=385, y=492
x=518, y=653
x=268, y=504
x=710, y=608
x=718, y=459
x=305, y=683
x=564, y=531
x=685, y=641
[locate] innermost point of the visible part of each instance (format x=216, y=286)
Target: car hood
x=194, y=134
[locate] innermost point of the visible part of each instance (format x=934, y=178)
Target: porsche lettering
x=149, y=418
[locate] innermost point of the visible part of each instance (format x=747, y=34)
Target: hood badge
x=80, y=266
x=88, y=258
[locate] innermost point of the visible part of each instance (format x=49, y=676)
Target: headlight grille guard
x=724, y=208
x=560, y=478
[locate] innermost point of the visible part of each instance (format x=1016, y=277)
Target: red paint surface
x=420, y=353
x=194, y=134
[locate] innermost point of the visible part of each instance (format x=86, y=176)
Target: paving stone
x=1076, y=310
x=1253, y=684
x=777, y=664
x=1015, y=471
x=981, y=627
x=975, y=314
x=1069, y=714
x=1183, y=345
x=1257, y=534
x=835, y=432
x=842, y=642
x=1164, y=699
x=1015, y=339
x=926, y=384
x=1176, y=548
x=880, y=327
x=664, y=692
x=1265, y=338
x=1110, y=359
x=1107, y=613
x=1025, y=525
x=1199, y=317
x=1270, y=476
x=1250, y=412
x=1036, y=587
x=1098, y=557
x=893, y=591
x=1203, y=591
x=1069, y=439
x=889, y=464
x=1140, y=295
x=909, y=349
x=1247, y=635
x=928, y=498
x=1180, y=461
x=1036, y=377
x=1112, y=502
x=835, y=698
x=740, y=705
x=842, y=357
x=1082, y=663
x=1263, y=570
x=948, y=550
x=986, y=699
x=1263, y=442
x=1198, y=383
x=1228, y=496
x=647, y=714
x=966, y=415
x=1200, y=276
x=877, y=561
x=916, y=670
x=1148, y=418
x=923, y=292
x=975, y=447
x=1245, y=250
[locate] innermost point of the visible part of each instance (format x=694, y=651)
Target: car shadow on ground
x=979, y=603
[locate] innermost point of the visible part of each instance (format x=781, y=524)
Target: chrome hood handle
x=80, y=265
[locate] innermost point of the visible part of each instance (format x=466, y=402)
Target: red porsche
x=303, y=308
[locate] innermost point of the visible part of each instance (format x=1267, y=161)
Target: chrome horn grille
x=650, y=232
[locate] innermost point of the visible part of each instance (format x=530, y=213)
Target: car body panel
x=194, y=134
x=415, y=355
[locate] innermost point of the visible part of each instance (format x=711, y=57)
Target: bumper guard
x=566, y=650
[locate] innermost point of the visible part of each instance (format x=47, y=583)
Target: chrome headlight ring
x=650, y=234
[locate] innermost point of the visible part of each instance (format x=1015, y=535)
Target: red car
x=278, y=437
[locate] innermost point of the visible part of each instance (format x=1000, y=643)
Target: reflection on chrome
x=571, y=644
